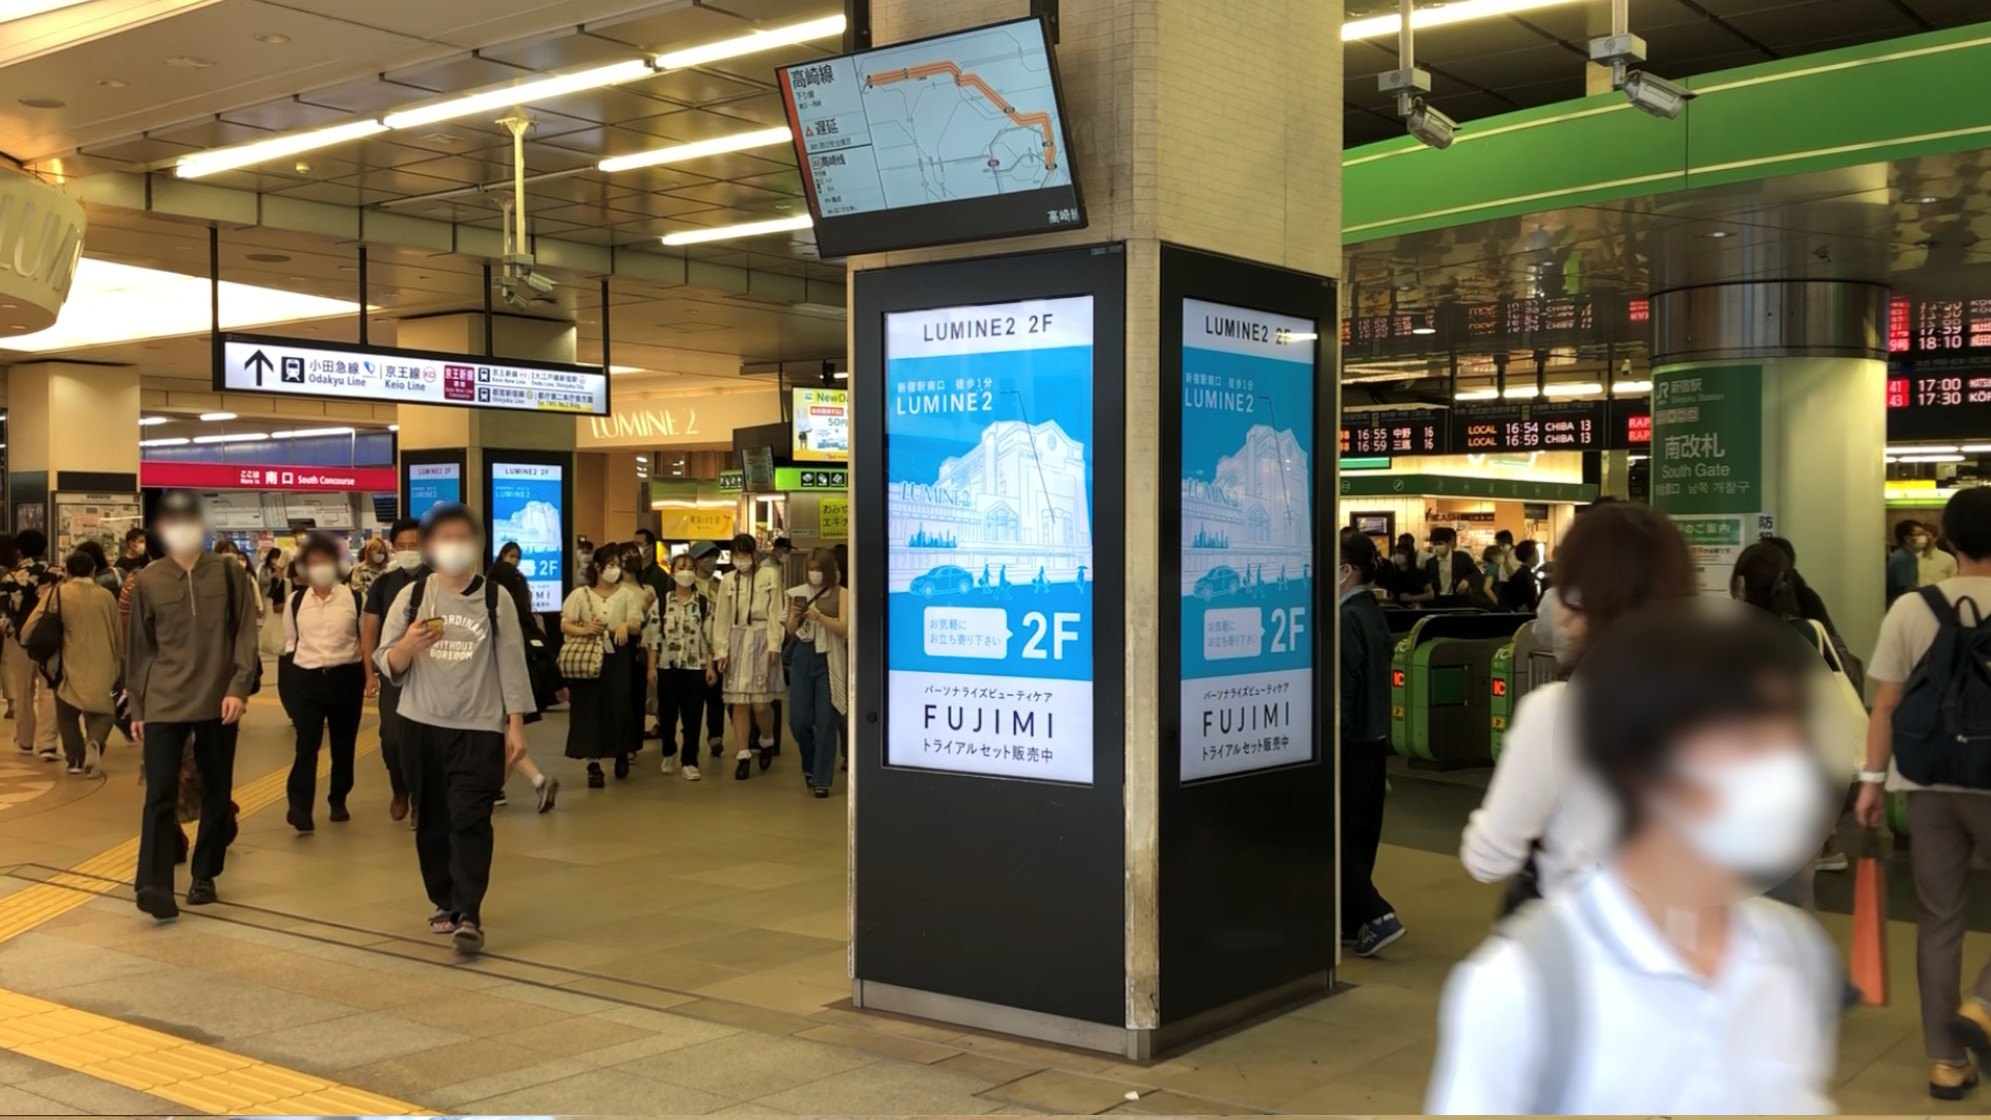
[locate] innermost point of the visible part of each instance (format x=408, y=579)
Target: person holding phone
x=819, y=622
x=603, y=720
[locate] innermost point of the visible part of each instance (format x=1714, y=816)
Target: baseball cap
x=177, y=503
x=701, y=549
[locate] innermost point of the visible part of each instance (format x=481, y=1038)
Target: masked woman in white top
x=746, y=638
x=603, y=722
x=819, y=621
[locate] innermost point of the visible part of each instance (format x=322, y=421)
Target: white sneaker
x=78, y=770
x=691, y=774
x=669, y=765
x=93, y=760
x=48, y=754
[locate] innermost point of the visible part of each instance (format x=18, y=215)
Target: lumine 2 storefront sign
x=680, y=421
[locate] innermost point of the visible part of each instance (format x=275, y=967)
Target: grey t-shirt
x=466, y=680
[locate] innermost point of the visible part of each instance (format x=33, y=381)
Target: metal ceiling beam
x=166, y=195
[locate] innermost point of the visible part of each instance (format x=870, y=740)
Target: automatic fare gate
x=1519, y=667
x=1441, y=690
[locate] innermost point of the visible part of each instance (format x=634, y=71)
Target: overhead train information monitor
x=1551, y=426
x=288, y=367
x=960, y=137
x=1393, y=431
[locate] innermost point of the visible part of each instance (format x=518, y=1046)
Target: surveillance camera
x=1433, y=128
x=1654, y=94
x=539, y=283
x=513, y=299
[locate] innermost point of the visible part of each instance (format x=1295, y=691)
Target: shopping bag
x=1868, y=968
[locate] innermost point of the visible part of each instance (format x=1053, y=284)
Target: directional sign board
x=287, y=367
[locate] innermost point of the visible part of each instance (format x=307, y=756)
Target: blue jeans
x=811, y=715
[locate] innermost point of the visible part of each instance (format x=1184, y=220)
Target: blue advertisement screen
x=988, y=430
x=1247, y=539
x=525, y=507
x=432, y=483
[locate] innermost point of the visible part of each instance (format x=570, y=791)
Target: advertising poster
x=833, y=519
x=104, y=518
x=1247, y=540
x=525, y=507
x=822, y=425
x=989, y=469
x=1707, y=464
x=430, y=484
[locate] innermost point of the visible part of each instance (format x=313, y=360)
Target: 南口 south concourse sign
x=286, y=367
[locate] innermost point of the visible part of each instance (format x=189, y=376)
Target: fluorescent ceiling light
x=748, y=229
x=1476, y=395
x=307, y=433
x=1631, y=386
x=752, y=42
x=216, y=417
x=276, y=147
x=1441, y=14
x=678, y=153
x=22, y=9
x=149, y=421
x=393, y=427
x=505, y=97
x=1932, y=458
x=840, y=375
x=1521, y=393
x=1890, y=459
x=120, y=302
x=1925, y=449
x=176, y=441
x=1576, y=389
x=642, y=458
x=1424, y=330
x=238, y=437
x=625, y=369
x=1975, y=448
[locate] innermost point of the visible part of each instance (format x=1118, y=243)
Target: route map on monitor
x=955, y=138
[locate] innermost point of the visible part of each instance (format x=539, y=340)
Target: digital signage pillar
x=995, y=757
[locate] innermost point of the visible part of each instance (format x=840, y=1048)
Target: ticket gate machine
x=1441, y=687
x=1519, y=666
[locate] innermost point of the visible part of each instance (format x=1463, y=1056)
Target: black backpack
x=540, y=667
x=1942, y=729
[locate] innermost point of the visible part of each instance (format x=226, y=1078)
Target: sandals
x=442, y=923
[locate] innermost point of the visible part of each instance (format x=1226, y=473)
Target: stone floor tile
x=1058, y=1091
x=599, y=1092
x=16, y=1102
x=884, y=1089
x=1168, y=1102
x=572, y=1036
x=748, y=1066
x=414, y=1075
x=461, y=1096
x=877, y=1042
x=480, y=1015
x=98, y=1097
x=991, y=1071
x=335, y=1044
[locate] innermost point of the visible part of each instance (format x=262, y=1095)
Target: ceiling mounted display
x=287, y=367
x=960, y=137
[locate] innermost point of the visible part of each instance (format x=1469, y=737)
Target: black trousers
x=159, y=837
x=454, y=778
x=715, y=715
x=319, y=700
x=1364, y=774
x=680, y=702
x=390, y=737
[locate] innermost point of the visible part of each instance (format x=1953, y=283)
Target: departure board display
x=1938, y=326
x=1533, y=426
x=955, y=138
x=1631, y=425
x=1396, y=431
x=1939, y=397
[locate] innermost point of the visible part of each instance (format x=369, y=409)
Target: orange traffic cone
x=1868, y=968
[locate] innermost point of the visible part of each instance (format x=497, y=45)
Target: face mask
x=746, y=565
x=707, y=567
x=324, y=575
x=1918, y=543
x=815, y=579
x=408, y=560
x=182, y=538
x=1768, y=816
x=611, y=574
x=684, y=578
x=453, y=558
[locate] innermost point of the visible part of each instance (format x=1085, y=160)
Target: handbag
x=1845, y=698
x=581, y=661
x=44, y=643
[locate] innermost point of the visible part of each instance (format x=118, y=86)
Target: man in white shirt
x=323, y=684
x=1948, y=822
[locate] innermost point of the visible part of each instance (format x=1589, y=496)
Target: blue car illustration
x=944, y=580
x=1217, y=582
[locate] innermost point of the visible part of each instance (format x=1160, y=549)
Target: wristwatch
x=1872, y=777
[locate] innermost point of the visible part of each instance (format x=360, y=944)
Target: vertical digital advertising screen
x=525, y=508
x=989, y=476
x=430, y=484
x=822, y=425
x=1247, y=539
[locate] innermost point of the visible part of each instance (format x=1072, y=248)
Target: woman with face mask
x=818, y=686
x=1616, y=559
x=371, y=565
x=649, y=635
x=1662, y=985
x=1368, y=922
x=746, y=636
x=684, y=668
x=274, y=583
x=602, y=722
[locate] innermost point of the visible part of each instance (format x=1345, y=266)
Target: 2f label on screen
x=1062, y=627
x=1287, y=627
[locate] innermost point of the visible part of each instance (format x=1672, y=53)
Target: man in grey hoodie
x=454, y=648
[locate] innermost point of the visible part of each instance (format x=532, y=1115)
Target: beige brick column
x=1211, y=124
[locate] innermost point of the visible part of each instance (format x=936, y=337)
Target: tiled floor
x=660, y=947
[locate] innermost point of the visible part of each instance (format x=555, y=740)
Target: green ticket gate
x=1440, y=687
x=1519, y=666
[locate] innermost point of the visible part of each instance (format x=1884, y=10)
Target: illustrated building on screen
x=1252, y=515
x=1014, y=504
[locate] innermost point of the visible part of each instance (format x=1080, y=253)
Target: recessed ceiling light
x=112, y=83
x=216, y=417
x=189, y=62
x=42, y=102
x=1717, y=234
x=271, y=37
x=1927, y=200
x=269, y=258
